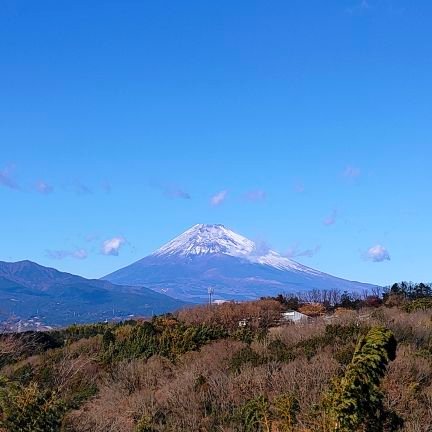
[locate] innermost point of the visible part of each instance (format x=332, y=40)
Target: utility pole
x=210, y=291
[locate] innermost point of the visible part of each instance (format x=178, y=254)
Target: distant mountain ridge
x=213, y=256
x=28, y=289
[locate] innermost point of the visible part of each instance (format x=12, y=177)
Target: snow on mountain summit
x=204, y=239
x=213, y=256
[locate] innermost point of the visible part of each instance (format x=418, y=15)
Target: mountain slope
x=28, y=289
x=212, y=256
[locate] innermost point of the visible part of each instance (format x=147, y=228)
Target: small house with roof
x=294, y=317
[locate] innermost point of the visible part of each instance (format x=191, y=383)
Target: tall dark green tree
x=256, y=415
x=355, y=402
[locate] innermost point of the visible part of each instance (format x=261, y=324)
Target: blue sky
x=303, y=124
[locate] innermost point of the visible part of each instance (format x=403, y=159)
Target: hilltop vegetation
x=361, y=364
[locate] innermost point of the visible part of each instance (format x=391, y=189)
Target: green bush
x=255, y=415
x=29, y=409
x=286, y=408
x=278, y=351
x=244, y=356
x=23, y=374
x=165, y=337
x=418, y=304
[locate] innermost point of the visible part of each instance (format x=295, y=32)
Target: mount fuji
x=214, y=257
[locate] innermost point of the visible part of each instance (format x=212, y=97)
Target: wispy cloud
x=351, y=172
x=331, y=218
x=177, y=193
x=295, y=251
x=256, y=195
x=218, y=198
x=360, y=6
x=112, y=246
x=62, y=254
x=299, y=187
x=81, y=189
x=43, y=187
x=262, y=247
x=91, y=237
x=106, y=186
x=171, y=190
x=6, y=178
x=377, y=253
x=77, y=187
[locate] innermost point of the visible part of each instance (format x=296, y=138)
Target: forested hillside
x=358, y=364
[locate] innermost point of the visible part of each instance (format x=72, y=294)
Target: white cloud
x=295, y=251
x=331, y=218
x=177, y=193
x=62, y=254
x=172, y=191
x=218, y=198
x=6, y=178
x=256, y=195
x=91, y=237
x=299, y=187
x=112, y=246
x=261, y=248
x=43, y=187
x=360, y=6
x=77, y=187
x=377, y=253
x=80, y=254
x=351, y=171
x=81, y=188
x=106, y=186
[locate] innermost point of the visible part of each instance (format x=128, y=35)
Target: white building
x=293, y=316
x=220, y=301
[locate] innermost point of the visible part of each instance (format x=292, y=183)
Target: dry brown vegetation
x=260, y=313
x=205, y=386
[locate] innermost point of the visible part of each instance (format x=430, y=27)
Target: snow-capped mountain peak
x=213, y=256
x=204, y=239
